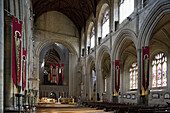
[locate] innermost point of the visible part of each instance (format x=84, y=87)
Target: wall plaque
x=128, y=96
x=155, y=96
x=133, y=96
x=166, y=96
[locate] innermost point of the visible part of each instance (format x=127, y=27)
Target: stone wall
x=54, y=27
x=21, y=10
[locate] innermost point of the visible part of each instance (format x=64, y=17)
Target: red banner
x=51, y=72
x=117, y=75
x=24, y=68
x=57, y=77
x=145, y=64
x=16, y=51
x=62, y=72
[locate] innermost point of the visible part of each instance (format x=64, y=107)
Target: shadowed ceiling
x=77, y=10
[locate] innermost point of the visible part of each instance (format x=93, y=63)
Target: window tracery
x=159, y=70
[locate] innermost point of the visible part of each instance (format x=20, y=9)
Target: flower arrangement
x=30, y=94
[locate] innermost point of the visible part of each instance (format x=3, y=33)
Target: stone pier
x=1, y=56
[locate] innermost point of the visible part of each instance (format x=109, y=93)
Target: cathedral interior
x=112, y=55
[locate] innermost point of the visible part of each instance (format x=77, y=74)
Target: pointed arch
x=160, y=9
x=103, y=49
x=122, y=36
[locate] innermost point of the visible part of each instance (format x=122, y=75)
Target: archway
x=106, y=77
x=126, y=51
x=53, y=66
x=93, y=81
x=103, y=67
x=159, y=54
x=128, y=71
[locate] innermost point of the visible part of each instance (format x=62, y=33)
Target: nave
x=113, y=55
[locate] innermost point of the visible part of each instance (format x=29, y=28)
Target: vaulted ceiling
x=51, y=57
x=77, y=10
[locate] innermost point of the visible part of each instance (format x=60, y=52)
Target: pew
x=127, y=108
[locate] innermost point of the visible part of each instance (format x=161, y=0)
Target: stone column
x=10, y=89
x=88, y=86
x=109, y=86
x=99, y=83
x=2, y=56
x=111, y=79
x=139, y=76
x=83, y=94
x=70, y=74
x=111, y=19
x=85, y=65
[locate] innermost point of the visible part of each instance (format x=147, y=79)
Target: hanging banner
x=62, y=72
x=117, y=75
x=24, y=68
x=145, y=64
x=51, y=72
x=57, y=77
x=16, y=51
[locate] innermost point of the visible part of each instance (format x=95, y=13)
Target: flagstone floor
x=65, y=108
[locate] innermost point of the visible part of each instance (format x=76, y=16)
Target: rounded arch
x=42, y=44
x=121, y=38
x=160, y=9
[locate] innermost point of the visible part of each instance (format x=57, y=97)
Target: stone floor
x=65, y=108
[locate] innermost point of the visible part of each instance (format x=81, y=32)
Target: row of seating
x=127, y=108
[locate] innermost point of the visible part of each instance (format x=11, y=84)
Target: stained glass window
x=134, y=76
x=154, y=76
x=105, y=24
x=126, y=7
x=159, y=70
